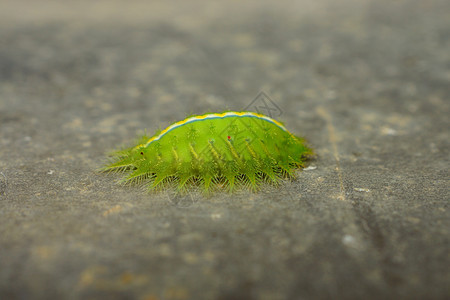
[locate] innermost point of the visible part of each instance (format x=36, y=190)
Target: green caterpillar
x=229, y=149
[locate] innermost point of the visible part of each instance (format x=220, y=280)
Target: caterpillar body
x=229, y=149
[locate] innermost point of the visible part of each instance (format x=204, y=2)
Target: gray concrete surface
x=366, y=82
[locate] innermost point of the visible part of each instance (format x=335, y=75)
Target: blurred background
x=365, y=82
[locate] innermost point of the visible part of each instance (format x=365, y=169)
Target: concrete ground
x=366, y=82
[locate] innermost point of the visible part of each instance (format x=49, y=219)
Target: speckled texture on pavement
x=366, y=82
